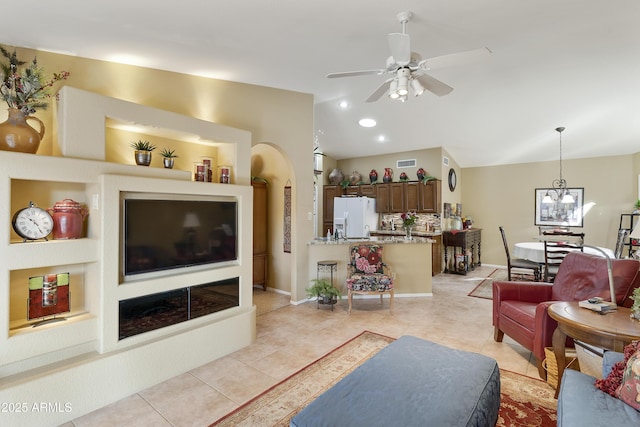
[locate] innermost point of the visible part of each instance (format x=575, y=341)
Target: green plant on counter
x=323, y=288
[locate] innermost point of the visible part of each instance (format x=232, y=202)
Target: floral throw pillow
x=629, y=390
x=367, y=259
x=613, y=380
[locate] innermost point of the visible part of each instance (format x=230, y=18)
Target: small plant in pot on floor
x=143, y=152
x=324, y=291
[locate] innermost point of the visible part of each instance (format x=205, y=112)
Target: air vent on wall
x=406, y=163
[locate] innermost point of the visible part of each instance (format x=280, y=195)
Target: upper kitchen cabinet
x=429, y=199
x=363, y=190
x=328, y=193
x=397, y=197
x=390, y=197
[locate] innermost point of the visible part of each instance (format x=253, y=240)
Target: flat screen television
x=164, y=232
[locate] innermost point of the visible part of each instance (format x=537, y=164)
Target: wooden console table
x=468, y=243
x=612, y=331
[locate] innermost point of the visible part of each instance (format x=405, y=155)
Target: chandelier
x=559, y=185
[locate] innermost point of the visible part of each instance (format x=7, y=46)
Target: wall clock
x=32, y=223
x=453, y=179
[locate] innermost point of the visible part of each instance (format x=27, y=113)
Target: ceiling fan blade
x=434, y=85
x=400, y=45
x=454, y=59
x=356, y=73
x=382, y=89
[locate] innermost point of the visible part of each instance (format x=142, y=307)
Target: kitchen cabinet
x=363, y=190
x=328, y=193
x=436, y=255
x=429, y=198
x=390, y=197
x=398, y=197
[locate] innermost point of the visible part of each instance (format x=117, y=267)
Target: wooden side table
x=612, y=331
x=468, y=242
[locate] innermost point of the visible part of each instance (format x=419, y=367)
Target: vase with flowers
x=24, y=89
x=408, y=221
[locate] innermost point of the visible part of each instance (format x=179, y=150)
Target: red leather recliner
x=520, y=308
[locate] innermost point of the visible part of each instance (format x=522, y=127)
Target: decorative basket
x=551, y=366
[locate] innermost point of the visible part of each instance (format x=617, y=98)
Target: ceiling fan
x=408, y=69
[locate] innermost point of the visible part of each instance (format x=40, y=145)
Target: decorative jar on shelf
x=336, y=177
x=373, y=176
x=68, y=219
x=17, y=135
x=388, y=175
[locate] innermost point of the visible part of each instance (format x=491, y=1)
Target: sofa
x=581, y=403
x=520, y=308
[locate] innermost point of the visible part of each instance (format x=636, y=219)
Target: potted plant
x=324, y=292
x=636, y=207
x=168, y=157
x=143, y=152
x=24, y=89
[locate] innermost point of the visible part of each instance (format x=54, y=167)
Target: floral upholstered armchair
x=367, y=274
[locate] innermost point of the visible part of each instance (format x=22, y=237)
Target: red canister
x=68, y=219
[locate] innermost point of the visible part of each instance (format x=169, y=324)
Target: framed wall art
x=552, y=212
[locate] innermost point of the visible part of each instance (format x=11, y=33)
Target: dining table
x=534, y=251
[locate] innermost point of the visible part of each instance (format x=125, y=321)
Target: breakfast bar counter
x=410, y=261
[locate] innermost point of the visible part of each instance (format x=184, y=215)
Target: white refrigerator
x=354, y=217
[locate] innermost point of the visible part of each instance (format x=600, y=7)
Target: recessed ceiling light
x=367, y=123
x=381, y=138
x=343, y=104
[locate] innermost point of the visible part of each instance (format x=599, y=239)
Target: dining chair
x=519, y=263
x=555, y=252
x=564, y=233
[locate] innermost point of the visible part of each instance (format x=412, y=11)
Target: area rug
x=524, y=401
x=485, y=288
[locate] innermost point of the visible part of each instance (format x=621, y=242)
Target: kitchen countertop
x=387, y=239
x=402, y=233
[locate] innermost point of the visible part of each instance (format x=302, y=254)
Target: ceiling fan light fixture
x=393, y=89
x=417, y=87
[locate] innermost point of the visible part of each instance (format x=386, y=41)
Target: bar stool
x=326, y=266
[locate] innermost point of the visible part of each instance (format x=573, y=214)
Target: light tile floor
x=291, y=337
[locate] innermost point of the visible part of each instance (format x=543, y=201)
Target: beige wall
x=268, y=163
x=504, y=195
x=283, y=118
x=430, y=160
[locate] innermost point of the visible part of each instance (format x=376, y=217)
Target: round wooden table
x=612, y=331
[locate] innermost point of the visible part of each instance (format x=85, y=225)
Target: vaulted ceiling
x=571, y=63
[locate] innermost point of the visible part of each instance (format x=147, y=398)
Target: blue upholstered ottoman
x=411, y=382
